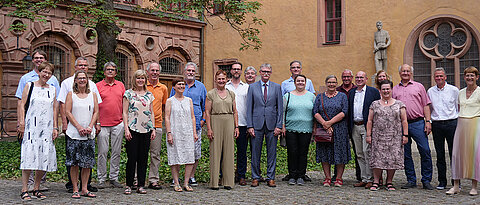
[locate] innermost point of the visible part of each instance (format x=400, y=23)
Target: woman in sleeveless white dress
x=181, y=134
x=38, y=126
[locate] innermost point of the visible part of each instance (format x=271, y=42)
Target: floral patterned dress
x=386, y=150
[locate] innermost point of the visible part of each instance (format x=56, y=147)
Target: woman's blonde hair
x=376, y=77
x=137, y=74
x=75, y=84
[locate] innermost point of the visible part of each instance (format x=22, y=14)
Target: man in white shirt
x=444, y=115
x=240, y=89
x=67, y=86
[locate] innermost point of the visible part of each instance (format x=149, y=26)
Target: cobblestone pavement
x=312, y=193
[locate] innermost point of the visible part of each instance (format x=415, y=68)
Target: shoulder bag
x=321, y=135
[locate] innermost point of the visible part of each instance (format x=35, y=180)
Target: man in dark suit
x=264, y=120
x=359, y=101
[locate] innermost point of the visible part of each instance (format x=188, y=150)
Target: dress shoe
x=227, y=187
x=271, y=183
x=307, y=178
x=254, y=183
x=286, y=178
x=409, y=185
x=428, y=186
x=368, y=185
x=360, y=184
x=242, y=182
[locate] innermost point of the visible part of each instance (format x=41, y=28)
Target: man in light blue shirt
x=288, y=84
x=198, y=93
x=39, y=57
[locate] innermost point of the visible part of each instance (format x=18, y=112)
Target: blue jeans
x=257, y=143
x=417, y=133
x=242, y=144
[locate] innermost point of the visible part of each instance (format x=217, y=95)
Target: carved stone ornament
x=444, y=39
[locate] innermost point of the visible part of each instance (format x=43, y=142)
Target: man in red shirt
x=109, y=125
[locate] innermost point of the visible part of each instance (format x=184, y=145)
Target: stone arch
x=184, y=46
x=425, y=49
x=132, y=48
x=414, y=34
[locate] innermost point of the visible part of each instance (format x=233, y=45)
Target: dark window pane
x=449, y=66
x=338, y=9
x=329, y=8
x=227, y=69
x=329, y=31
x=338, y=30
x=56, y=56
x=422, y=69
x=170, y=66
x=122, y=68
x=469, y=59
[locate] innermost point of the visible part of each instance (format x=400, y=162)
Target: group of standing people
x=380, y=122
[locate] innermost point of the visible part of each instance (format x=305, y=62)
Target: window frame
x=322, y=20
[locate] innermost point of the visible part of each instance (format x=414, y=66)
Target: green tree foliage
x=101, y=16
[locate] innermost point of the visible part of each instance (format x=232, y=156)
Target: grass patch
x=10, y=162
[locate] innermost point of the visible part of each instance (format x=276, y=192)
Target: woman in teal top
x=297, y=128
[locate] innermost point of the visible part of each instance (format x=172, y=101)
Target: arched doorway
x=444, y=41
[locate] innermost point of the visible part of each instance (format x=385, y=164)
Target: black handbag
x=320, y=134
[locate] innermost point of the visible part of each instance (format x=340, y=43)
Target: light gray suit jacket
x=260, y=112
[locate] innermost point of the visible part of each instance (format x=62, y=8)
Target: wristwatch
x=430, y=121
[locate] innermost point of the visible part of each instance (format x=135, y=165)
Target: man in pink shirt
x=417, y=103
x=109, y=125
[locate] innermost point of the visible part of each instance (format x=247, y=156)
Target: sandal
x=154, y=186
x=327, y=182
x=128, y=191
x=338, y=182
x=389, y=187
x=177, y=188
x=140, y=190
x=25, y=196
x=89, y=195
x=38, y=194
x=75, y=195
x=188, y=188
x=374, y=187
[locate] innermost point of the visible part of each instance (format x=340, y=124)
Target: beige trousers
x=222, y=146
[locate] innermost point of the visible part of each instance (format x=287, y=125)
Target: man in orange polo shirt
x=109, y=126
x=159, y=91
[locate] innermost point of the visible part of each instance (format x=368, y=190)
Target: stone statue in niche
x=380, y=44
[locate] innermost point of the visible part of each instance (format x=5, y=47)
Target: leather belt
x=415, y=120
x=359, y=123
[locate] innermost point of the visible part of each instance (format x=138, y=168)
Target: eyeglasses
x=236, y=69
x=347, y=76
x=111, y=70
x=295, y=67
x=359, y=77
x=331, y=82
x=82, y=65
x=265, y=71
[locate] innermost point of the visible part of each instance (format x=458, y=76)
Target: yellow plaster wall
x=291, y=33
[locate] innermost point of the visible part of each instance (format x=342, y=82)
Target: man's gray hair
x=400, y=68
x=190, y=64
x=81, y=58
x=347, y=70
x=149, y=64
x=109, y=64
x=440, y=69
x=250, y=68
x=266, y=65
x=296, y=61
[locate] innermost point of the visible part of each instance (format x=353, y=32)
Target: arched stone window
x=58, y=57
x=170, y=66
x=449, y=42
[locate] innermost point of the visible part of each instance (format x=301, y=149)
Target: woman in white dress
x=181, y=134
x=82, y=113
x=38, y=126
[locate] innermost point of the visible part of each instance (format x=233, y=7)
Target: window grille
x=122, y=68
x=227, y=69
x=57, y=57
x=170, y=66
x=333, y=21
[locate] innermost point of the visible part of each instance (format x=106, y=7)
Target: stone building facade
x=144, y=38
x=329, y=36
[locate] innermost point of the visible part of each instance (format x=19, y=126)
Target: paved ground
x=311, y=193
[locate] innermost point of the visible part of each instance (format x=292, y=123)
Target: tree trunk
x=107, y=42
